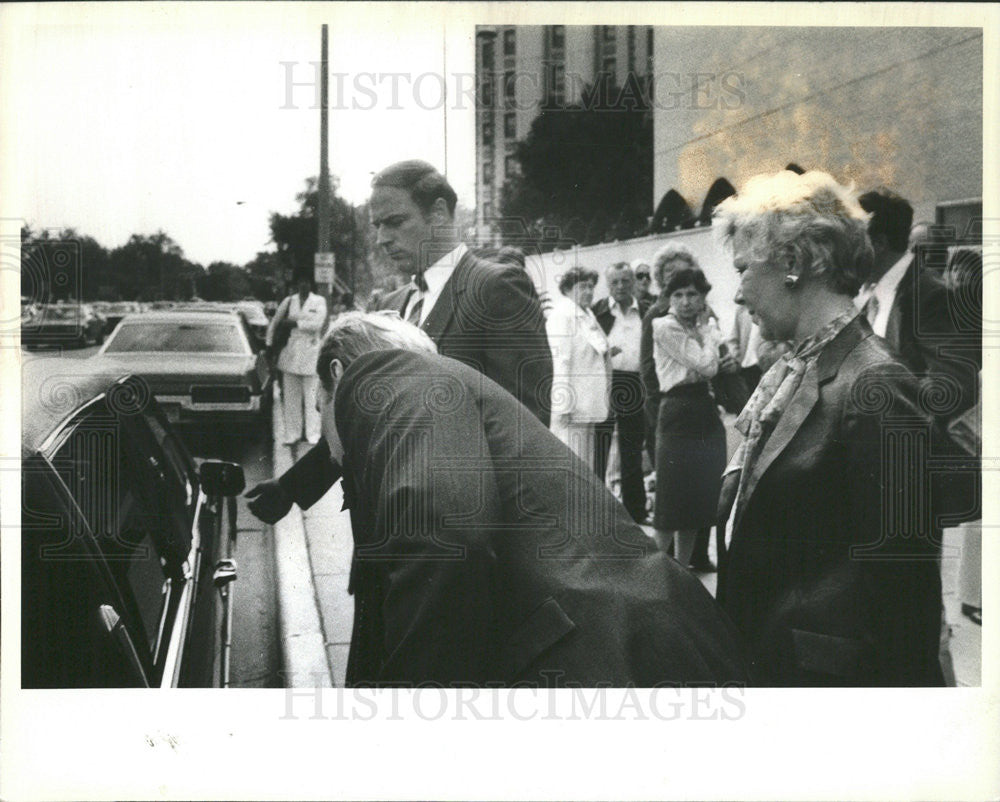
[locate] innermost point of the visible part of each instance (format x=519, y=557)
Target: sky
x=202, y=119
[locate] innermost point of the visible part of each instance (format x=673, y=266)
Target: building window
x=509, y=85
x=488, y=131
x=510, y=166
x=486, y=91
x=508, y=42
x=558, y=37
x=556, y=88
x=489, y=55
x=631, y=48
x=510, y=125
x=608, y=34
x=487, y=173
x=487, y=212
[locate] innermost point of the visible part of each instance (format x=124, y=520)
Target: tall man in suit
x=484, y=314
x=620, y=315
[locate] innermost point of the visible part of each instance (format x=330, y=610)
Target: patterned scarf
x=776, y=389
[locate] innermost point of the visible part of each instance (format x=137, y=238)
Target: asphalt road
x=256, y=658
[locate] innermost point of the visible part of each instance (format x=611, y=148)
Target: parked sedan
x=126, y=572
x=62, y=325
x=200, y=365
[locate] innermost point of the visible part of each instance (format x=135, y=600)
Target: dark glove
x=268, y=501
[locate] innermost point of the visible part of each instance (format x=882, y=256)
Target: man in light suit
x=484, y=314
x=470, y=567
x=304, y=314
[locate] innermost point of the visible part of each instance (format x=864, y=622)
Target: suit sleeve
x=309, y=479
x=520, y=360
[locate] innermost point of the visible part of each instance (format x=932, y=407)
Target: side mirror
x=220, y=478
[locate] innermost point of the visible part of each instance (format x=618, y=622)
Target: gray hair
x=669, y=253
x=810, y=217
x=616, y=267
x=352, y=334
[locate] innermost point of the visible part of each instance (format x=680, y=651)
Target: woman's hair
x=352, y=334
x=574, y=276
x=687, y=277
x=810, y=217
x=664, y=258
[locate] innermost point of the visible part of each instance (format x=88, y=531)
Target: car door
x=136, y=509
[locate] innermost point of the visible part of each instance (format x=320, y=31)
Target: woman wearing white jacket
x=581, y=364
x=304, y=316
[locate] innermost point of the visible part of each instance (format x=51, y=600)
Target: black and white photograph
x=408, y=390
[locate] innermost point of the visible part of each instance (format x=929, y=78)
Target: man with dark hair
x=912, y=310
x=620, y=315
x=481, y=313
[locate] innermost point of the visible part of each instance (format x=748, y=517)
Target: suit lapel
x=396, y=300
x=820, y=371
x=791, y=421
x=440, y=317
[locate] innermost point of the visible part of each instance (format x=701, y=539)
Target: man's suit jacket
x=484, y=556
x=487, y=316
x=938, y=343
x=832, y=573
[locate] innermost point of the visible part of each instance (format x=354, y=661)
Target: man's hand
x=728, y=364
x=268, y=501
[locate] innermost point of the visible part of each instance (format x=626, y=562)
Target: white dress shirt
x=625, y=334
x=884, y=292
x=435, y=276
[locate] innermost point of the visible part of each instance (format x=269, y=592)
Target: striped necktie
x=414, y=314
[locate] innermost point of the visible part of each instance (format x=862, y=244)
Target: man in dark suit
x=912, y=309
x=620, y=316
x=484, y=314
x=471, y=566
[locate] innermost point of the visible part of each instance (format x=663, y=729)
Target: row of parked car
x=67, y=325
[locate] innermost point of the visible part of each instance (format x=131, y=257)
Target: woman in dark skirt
x=690, y=439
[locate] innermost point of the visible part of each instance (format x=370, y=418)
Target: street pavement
x=327, y=534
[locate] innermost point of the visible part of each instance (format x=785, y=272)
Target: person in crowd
x=482, y=313
x=298, y=322
x=620, y=317
x=929, y=245
x=690, y=439
x=670, y=257
x=912, y=309
x=829, y=572
x=581, y=364
x=485, y=576
x=643, y=281
x=744, y=340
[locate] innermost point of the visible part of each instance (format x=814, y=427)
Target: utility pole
x=323, y=247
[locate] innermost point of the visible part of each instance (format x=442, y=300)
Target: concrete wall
x=900, y=107
x=716, y=262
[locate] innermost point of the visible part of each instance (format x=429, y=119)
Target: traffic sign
x=324, y=268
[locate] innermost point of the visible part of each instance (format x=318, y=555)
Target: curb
x=304, y=658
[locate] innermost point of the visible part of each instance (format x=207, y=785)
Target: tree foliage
x=586, y=170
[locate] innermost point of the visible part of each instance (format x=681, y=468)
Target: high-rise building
x=521, y=69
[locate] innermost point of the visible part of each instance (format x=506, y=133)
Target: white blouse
x=682, y=355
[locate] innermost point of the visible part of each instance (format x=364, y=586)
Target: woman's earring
x=791, y=280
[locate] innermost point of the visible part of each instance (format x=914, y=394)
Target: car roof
x=53, y=388
x=183, y=316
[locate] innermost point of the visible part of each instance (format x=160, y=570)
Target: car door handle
x=113, y=625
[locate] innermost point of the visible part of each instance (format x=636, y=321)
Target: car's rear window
x=211, y=338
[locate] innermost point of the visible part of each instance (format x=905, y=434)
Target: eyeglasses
x=642, y=275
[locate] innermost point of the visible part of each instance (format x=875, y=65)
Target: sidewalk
x=313, y=554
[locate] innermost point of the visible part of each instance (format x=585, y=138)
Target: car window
x=214, y=338
x=130, y=496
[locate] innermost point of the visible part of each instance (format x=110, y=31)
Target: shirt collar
x=438, y=273
x=613, y=305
